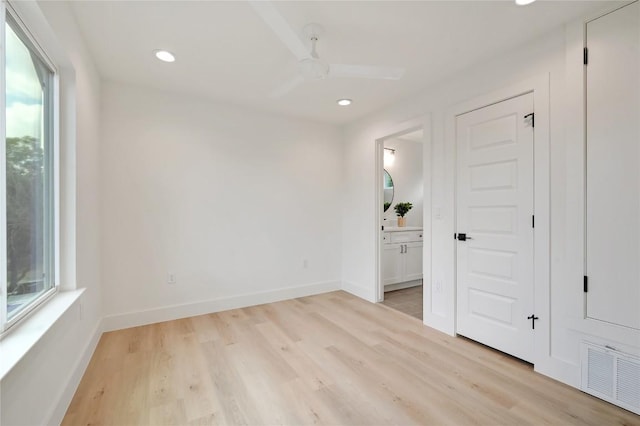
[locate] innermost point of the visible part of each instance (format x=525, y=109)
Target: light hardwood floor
x=326, y=359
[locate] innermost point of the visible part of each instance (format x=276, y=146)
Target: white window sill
x=20, y=339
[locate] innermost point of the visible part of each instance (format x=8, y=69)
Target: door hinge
x=585, y=56
x=533, y=221
x=533, y=118
x=382, y=227
x=585, y=284
x=533, y=319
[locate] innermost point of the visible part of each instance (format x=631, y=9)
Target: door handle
x=463, y=237
x=533, y=319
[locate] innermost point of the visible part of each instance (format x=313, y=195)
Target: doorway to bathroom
x=403, y=210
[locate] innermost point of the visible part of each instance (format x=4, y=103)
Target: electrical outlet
x=171, y=279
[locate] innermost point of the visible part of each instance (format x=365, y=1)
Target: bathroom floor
x=407, y=300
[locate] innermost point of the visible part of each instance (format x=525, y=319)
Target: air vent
x=611, y=375
x=600, y=371
x=628, y=382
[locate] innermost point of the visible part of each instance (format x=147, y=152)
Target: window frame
x=51, y=126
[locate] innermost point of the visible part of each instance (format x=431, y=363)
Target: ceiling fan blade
x=281, y=28
x=285, y=88
x=365, y=71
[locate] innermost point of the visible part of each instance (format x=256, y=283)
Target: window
x=27, y=215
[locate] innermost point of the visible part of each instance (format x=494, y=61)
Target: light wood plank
x=325, y=359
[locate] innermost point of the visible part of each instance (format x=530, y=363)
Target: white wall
x=544, y=56
x=229, y=200
x=38, y=389
x=406, y=172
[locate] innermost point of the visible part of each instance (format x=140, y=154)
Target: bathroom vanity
x=401, y=257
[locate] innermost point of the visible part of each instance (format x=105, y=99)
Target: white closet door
x=494, y=209
x=613, y=167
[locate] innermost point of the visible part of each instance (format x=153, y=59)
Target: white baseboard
x=66, y=394
x=562, y=371
x=403, y=285
x=361, y=292
x=439, y=323
x=167, y=313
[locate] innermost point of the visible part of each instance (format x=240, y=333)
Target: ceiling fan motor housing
x=313, y=69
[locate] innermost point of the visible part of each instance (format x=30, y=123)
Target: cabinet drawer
x=405, y=236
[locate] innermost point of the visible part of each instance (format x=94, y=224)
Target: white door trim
x=539, y=86
x=422, y=122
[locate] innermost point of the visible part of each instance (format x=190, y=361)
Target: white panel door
x=494, y=210
x=613, y=174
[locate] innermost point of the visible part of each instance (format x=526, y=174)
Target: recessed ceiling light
x=344, y=102
x=164, y=55
x=524, y=2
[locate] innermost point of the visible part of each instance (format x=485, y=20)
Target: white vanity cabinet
x=402, y=257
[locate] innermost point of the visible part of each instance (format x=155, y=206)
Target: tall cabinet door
x=413, y=261
x=613, y=167
x=392, y=266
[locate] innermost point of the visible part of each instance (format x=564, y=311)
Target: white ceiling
x=225, y=52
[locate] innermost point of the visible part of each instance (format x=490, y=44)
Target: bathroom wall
x=406, y=172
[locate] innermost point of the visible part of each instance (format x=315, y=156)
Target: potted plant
x=402, y=209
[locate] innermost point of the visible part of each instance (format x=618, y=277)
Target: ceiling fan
x=310, y=66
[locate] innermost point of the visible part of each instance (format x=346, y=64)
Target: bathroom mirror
x=388, y=190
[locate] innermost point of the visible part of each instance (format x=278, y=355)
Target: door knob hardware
x=533, y=319
x=463, y=237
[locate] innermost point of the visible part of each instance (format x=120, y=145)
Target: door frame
x=421, y=122
x=539, y=86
